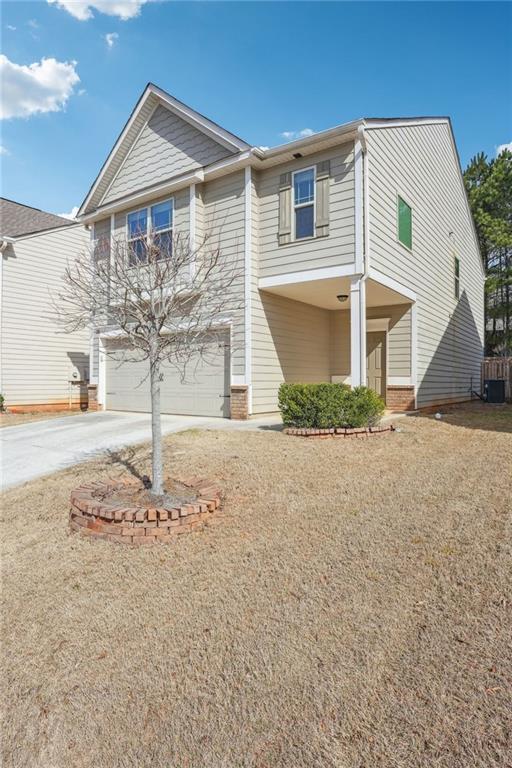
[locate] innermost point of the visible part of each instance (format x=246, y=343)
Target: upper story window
x=456, y=267
x=404, y=223
x=304, y=203
x=157, y=221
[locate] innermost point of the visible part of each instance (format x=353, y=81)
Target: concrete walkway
x=39, y=448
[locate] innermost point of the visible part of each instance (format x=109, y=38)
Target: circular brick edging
x=92, y=514
x=338, y=431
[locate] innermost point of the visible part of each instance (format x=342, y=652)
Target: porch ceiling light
x=342, y=297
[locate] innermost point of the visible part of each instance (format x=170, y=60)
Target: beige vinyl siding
x=418, y=163
x=398, y=339
x=167, y=146
x=319, y=252
x=290, y=343
x=37, y=359
x=224, y=223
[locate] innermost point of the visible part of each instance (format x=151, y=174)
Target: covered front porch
x=353, y=329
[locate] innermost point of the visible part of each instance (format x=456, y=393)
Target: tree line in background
x=489, y=187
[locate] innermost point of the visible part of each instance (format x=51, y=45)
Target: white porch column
x=357, y=331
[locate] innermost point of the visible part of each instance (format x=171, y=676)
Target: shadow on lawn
x=126, y=460
x=475, y=415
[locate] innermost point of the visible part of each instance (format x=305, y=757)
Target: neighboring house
x=360, y=255
x=40, y=368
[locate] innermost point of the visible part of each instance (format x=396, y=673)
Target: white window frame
x=303, y=205
x=148, y=208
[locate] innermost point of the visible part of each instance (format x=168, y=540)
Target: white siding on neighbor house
x=291, y=342
x=338, y=247
x=167, y=146
x=36, y=359
x=419, y=164
x=224, y=224
x=398, y=339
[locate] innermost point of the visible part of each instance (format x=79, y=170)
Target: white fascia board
x=344, y=270
x=309, y=141
x=6, y=239
x=390, y=282
x=190, y=115
x=404, y=122
x=195, y=177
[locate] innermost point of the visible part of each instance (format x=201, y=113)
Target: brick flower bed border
x=338, y=431
x=94, y=515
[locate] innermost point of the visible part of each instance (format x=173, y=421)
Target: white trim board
x=247, y=284
x=344, y=270
x=389, y=282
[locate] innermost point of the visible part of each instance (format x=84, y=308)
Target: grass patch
x=349, y=607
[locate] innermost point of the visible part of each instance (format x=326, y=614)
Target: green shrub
x=323, y=406
x=2, y=403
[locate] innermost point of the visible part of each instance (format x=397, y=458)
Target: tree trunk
x=157, y=484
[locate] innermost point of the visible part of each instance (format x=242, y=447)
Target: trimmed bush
x=324, y=406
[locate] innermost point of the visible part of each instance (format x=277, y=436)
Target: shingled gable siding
x=36, y=359
x=333, y=250
x=119, y=157
x=418, y=163
x=167, y=146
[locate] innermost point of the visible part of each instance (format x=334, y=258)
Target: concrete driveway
x=42, y=447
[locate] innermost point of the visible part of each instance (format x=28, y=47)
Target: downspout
x=4, y=242
x=366, y=243
x=366, y=202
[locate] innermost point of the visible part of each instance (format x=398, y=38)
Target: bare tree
x=165, y=300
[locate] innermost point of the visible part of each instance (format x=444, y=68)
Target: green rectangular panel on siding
x=404, y=223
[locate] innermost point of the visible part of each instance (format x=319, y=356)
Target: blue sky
x=258, y=69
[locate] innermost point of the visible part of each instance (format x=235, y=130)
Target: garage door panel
x=205, y=391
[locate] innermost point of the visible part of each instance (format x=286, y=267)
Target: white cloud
x=33, y=23
x=43, y=86
x=110, y=39
x=10, y=26
x=71, y=215
x=4, y=150
x=289, y=135
x=83, y=9
x=503, y=147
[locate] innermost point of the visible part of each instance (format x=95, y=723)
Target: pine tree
x=489, y=187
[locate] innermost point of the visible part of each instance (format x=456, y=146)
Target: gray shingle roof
x=17, y=219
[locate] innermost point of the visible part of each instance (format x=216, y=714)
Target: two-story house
x=359, y=254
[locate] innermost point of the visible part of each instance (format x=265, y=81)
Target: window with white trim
x=304, y=203
x=155, y=223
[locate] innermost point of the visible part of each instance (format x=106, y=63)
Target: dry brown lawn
x=14, y=419
x=349, y=608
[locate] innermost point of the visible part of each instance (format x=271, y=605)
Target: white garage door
x=204, y=393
